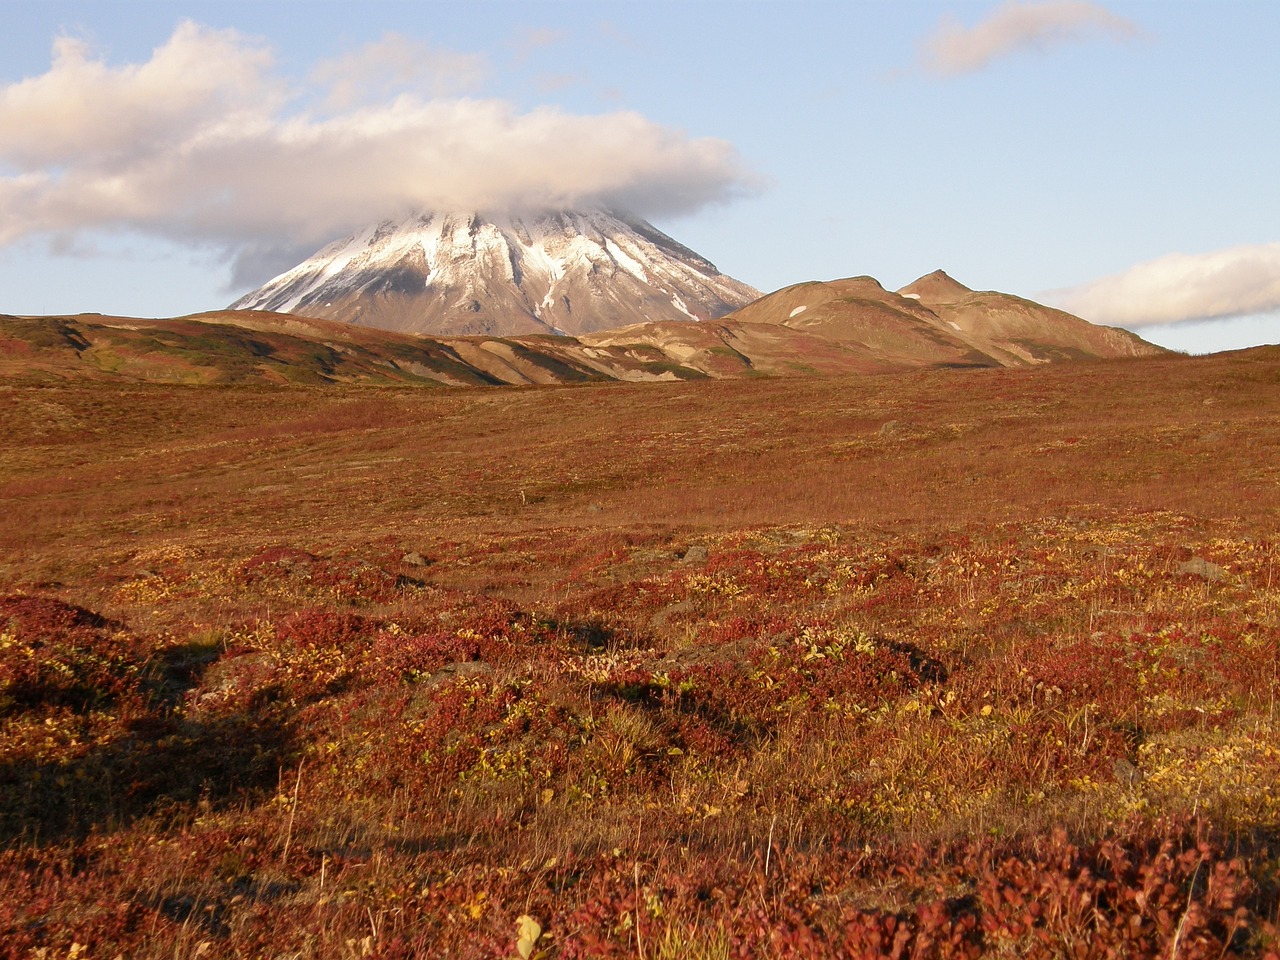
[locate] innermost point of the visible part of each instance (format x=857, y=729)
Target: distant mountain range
x=557, y=298
x=840, y=327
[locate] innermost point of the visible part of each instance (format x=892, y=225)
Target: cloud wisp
x=206, y=143
x=397, y=64
x=1179, y=288
x=1015, y=26
x=532, y=39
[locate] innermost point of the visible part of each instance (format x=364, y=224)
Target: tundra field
x=942, y=664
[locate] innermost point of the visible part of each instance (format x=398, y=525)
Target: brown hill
x=1023, y=328
x=939, y=321
x=851, y=326
x=936, y=287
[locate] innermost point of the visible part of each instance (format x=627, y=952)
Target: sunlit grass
x=695, y=670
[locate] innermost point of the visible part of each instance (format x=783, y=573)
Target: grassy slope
x=847, y=336
x=973, y=662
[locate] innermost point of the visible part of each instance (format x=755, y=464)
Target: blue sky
x=1117, y=159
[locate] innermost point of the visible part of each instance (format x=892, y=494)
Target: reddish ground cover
x=938, y=666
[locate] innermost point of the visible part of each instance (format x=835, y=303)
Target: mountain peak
x=936, y=287
x=566, y=271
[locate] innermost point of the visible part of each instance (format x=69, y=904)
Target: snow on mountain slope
x=456, y=274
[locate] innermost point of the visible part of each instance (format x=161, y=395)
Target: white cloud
x=206, y=143
x=1181, y=287
x=1014, y=26
x=199, y=79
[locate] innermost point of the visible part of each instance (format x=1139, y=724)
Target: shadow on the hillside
x=151, y=763
x=170, y=770
x=209, y=909
x=657, y=697
x=925, y=667
x=588, y=636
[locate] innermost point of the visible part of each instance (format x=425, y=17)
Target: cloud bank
x=1181, y=287
x=206, y=143
x=1016, y=26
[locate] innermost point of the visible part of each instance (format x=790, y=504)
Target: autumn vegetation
x=954, y=663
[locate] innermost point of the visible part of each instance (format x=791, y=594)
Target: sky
x=1115, y=159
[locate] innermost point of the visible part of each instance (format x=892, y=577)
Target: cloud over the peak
x=1181, y=287
x=1018, y=25
x=207, y=143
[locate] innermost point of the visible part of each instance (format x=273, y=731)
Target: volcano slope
x=945, y=663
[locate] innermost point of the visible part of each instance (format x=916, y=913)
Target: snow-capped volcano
x=564, y=272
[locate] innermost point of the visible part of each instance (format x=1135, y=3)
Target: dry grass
x=943, y=645
x=335, y=466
